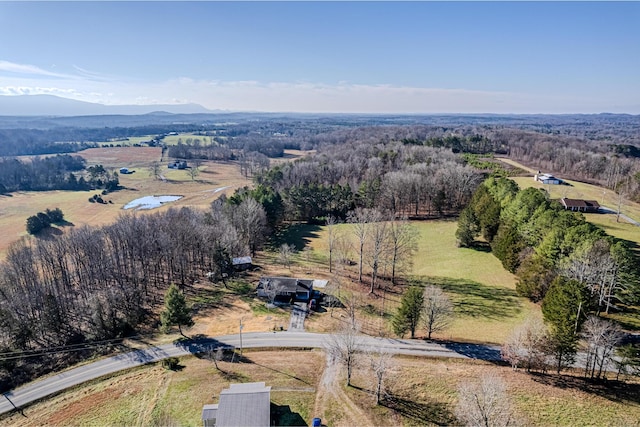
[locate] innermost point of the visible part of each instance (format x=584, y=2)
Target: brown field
x=15, y=209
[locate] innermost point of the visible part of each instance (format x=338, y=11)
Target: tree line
x=572, y=267
x=59, y=172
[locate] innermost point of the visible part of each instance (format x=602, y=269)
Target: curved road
x=31, y=392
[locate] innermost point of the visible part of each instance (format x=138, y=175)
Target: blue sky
x=379, y=57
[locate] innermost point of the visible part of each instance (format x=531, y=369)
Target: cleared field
x=173, y=139
x=483, y=292
x=215, y=179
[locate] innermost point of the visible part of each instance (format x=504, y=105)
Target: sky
x=353, y=57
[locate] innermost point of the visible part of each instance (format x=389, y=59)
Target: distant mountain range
x=50, y=105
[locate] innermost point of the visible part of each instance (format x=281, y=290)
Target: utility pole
x=241, y=337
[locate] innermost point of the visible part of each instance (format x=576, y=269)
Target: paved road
x=42, y=388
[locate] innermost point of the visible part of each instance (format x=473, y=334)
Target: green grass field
x=486, y=304
x=483, y=292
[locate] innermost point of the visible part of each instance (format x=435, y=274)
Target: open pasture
x=214, y=179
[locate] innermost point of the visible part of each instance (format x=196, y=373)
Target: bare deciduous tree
x=484, y=403
x=155, y=169
x=600, y=339
x=377, y=250
x=381, y=365
x=332, y=235
x=285, y=252
x=344, y=346
x=403, y=245
x=437, y=310
x=360, y=219
x=526, y=346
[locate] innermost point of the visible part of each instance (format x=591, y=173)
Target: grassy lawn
x=151, y=395
x=483, y=292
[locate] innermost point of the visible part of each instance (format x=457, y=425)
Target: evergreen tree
x=409, y=312
x=467, y=228
x=564, y=308
x=175, y=310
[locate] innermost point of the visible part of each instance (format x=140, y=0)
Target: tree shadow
x=613, y=390
x=247, y=360
x=298, y=235
x=475, y=299
x=480, y=246
x=476, y=351
x=281, y=415
x=424, y=413
x=48, y=233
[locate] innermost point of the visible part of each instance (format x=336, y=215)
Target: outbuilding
x=579, y=205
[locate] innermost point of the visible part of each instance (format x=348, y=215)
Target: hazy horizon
x=329, y=57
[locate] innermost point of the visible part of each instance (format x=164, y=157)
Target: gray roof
x=241, y=260
x=286, y=284
x=209, y=411
x=245, y=405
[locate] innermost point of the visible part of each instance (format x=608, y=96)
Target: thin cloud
x=30, y=70
x=314, y=97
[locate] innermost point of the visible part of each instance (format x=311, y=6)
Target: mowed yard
x=214, y=179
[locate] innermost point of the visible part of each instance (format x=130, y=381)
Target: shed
x=547, y=178
x=241, y=263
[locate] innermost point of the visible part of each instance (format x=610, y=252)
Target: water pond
x=150, y=202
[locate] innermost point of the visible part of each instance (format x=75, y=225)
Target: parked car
x=317, y=422
x=313, y=305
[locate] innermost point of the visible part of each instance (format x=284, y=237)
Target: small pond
x=150, y=202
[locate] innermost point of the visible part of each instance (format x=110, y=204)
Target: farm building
x=247, y=404
x=579, y=205
x=241, y=263
x=547, y=178
x=178, y=164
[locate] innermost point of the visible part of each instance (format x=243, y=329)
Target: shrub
x=171, y=363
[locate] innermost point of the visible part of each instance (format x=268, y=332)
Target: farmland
x=224, y=177
x=486, y=306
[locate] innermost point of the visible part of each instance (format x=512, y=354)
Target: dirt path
x=146, y=412
x=331, y=398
